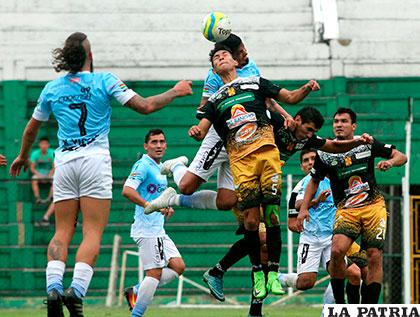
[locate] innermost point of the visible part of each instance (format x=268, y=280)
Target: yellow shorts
x=368, y=221
x=357, y=255
x=257, y=178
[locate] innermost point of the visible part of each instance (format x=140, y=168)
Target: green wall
x=381, y=104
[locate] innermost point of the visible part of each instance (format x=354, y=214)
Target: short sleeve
x=319, y=170
x=42, y=110
x=380, y=149
x=137, y=176
x=207, y=111
x=116, y=88
x=315, y=142
x=212, y=84
x=33, y=156
x=268, y=88
x=302, y=189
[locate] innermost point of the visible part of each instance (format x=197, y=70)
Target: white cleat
x=166, y=168
x=161, y=202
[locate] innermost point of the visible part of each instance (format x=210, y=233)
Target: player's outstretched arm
x=28, y=138
x=292, y=97
x=342, y=146
x=157, y=102
x=198, y=132
x=132, y=195
x=397, y=159
x=310, y=191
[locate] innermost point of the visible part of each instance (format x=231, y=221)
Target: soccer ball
x=216, y=26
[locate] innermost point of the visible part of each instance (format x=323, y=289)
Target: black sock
x=371, y=293
x=252, y=240
x=273, y=247
x=364, y=293
x=337, y=285
x=353, y=293
x=236, y=252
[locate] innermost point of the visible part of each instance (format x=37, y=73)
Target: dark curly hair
x=72, y=56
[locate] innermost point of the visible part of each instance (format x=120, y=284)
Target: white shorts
x=89, y=176
x=212, y=156
x=156, y=252
x=311, y=254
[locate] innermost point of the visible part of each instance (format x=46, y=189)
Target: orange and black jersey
x=352, y=174
x=239, y=115
x=286, y=141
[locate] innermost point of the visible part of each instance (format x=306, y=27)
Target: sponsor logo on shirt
x=362, y=155
x=153, y=188
x=240, y=116
x=245, y=132
x=231, y=91
x=357, y=190
x=74, y=80
x=348, y=161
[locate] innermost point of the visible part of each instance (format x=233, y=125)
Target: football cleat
x=54, y=304
x=73, y=303
x=273, y=284
x=215, y=285
x=161, y=202
x=131, y=297
x=166, y=168
x=259, y=290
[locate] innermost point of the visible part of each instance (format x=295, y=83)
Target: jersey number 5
x=83, y=116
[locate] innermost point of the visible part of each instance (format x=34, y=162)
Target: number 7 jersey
x=81, y=105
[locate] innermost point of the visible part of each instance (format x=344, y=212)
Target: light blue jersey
x=321, y=216
x=213, y=81
x=81, y=105
x=146, y=178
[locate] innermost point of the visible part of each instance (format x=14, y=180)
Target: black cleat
x=130, y=297
x=73, y=303
x=54, y=304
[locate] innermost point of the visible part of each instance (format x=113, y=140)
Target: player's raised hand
x=183, y=88
x=312, y=85
x=365, y=138
x=3, y=160
x=195, y=132
x=384, y=165
x=323, y=195
x=17, y=165
x=303, y=215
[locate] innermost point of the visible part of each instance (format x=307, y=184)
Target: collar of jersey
x=152, y=160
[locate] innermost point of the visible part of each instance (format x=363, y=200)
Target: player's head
x=308, y=121
x=307, y=160
x=222, y=60
x=344, y=124
x=239, y=51
x=155, y=144
x=75, y=54
x=44, y=144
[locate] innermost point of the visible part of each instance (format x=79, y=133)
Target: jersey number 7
x=83, y=116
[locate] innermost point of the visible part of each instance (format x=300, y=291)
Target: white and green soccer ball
x=216, y=27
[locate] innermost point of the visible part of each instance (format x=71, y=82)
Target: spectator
x=42, y=168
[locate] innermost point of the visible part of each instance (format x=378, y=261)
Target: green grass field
x=98, y=311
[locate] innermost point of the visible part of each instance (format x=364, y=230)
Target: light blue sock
x=145, y=295
x=82, y=276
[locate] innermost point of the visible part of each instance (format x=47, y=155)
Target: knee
x=180, y=269
x=251, y=224
x=337, y=253
x=186, y=188
x=374, y=256
x=226, y=201
x=305, y=282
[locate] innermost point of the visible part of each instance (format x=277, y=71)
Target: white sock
x=175, y=200
x=54, y=275
x=179, y=171
x=168, y=275
x=82, y=276
x=203, y=199
x=328, y=295
x=145, y=295
x=291, y=279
